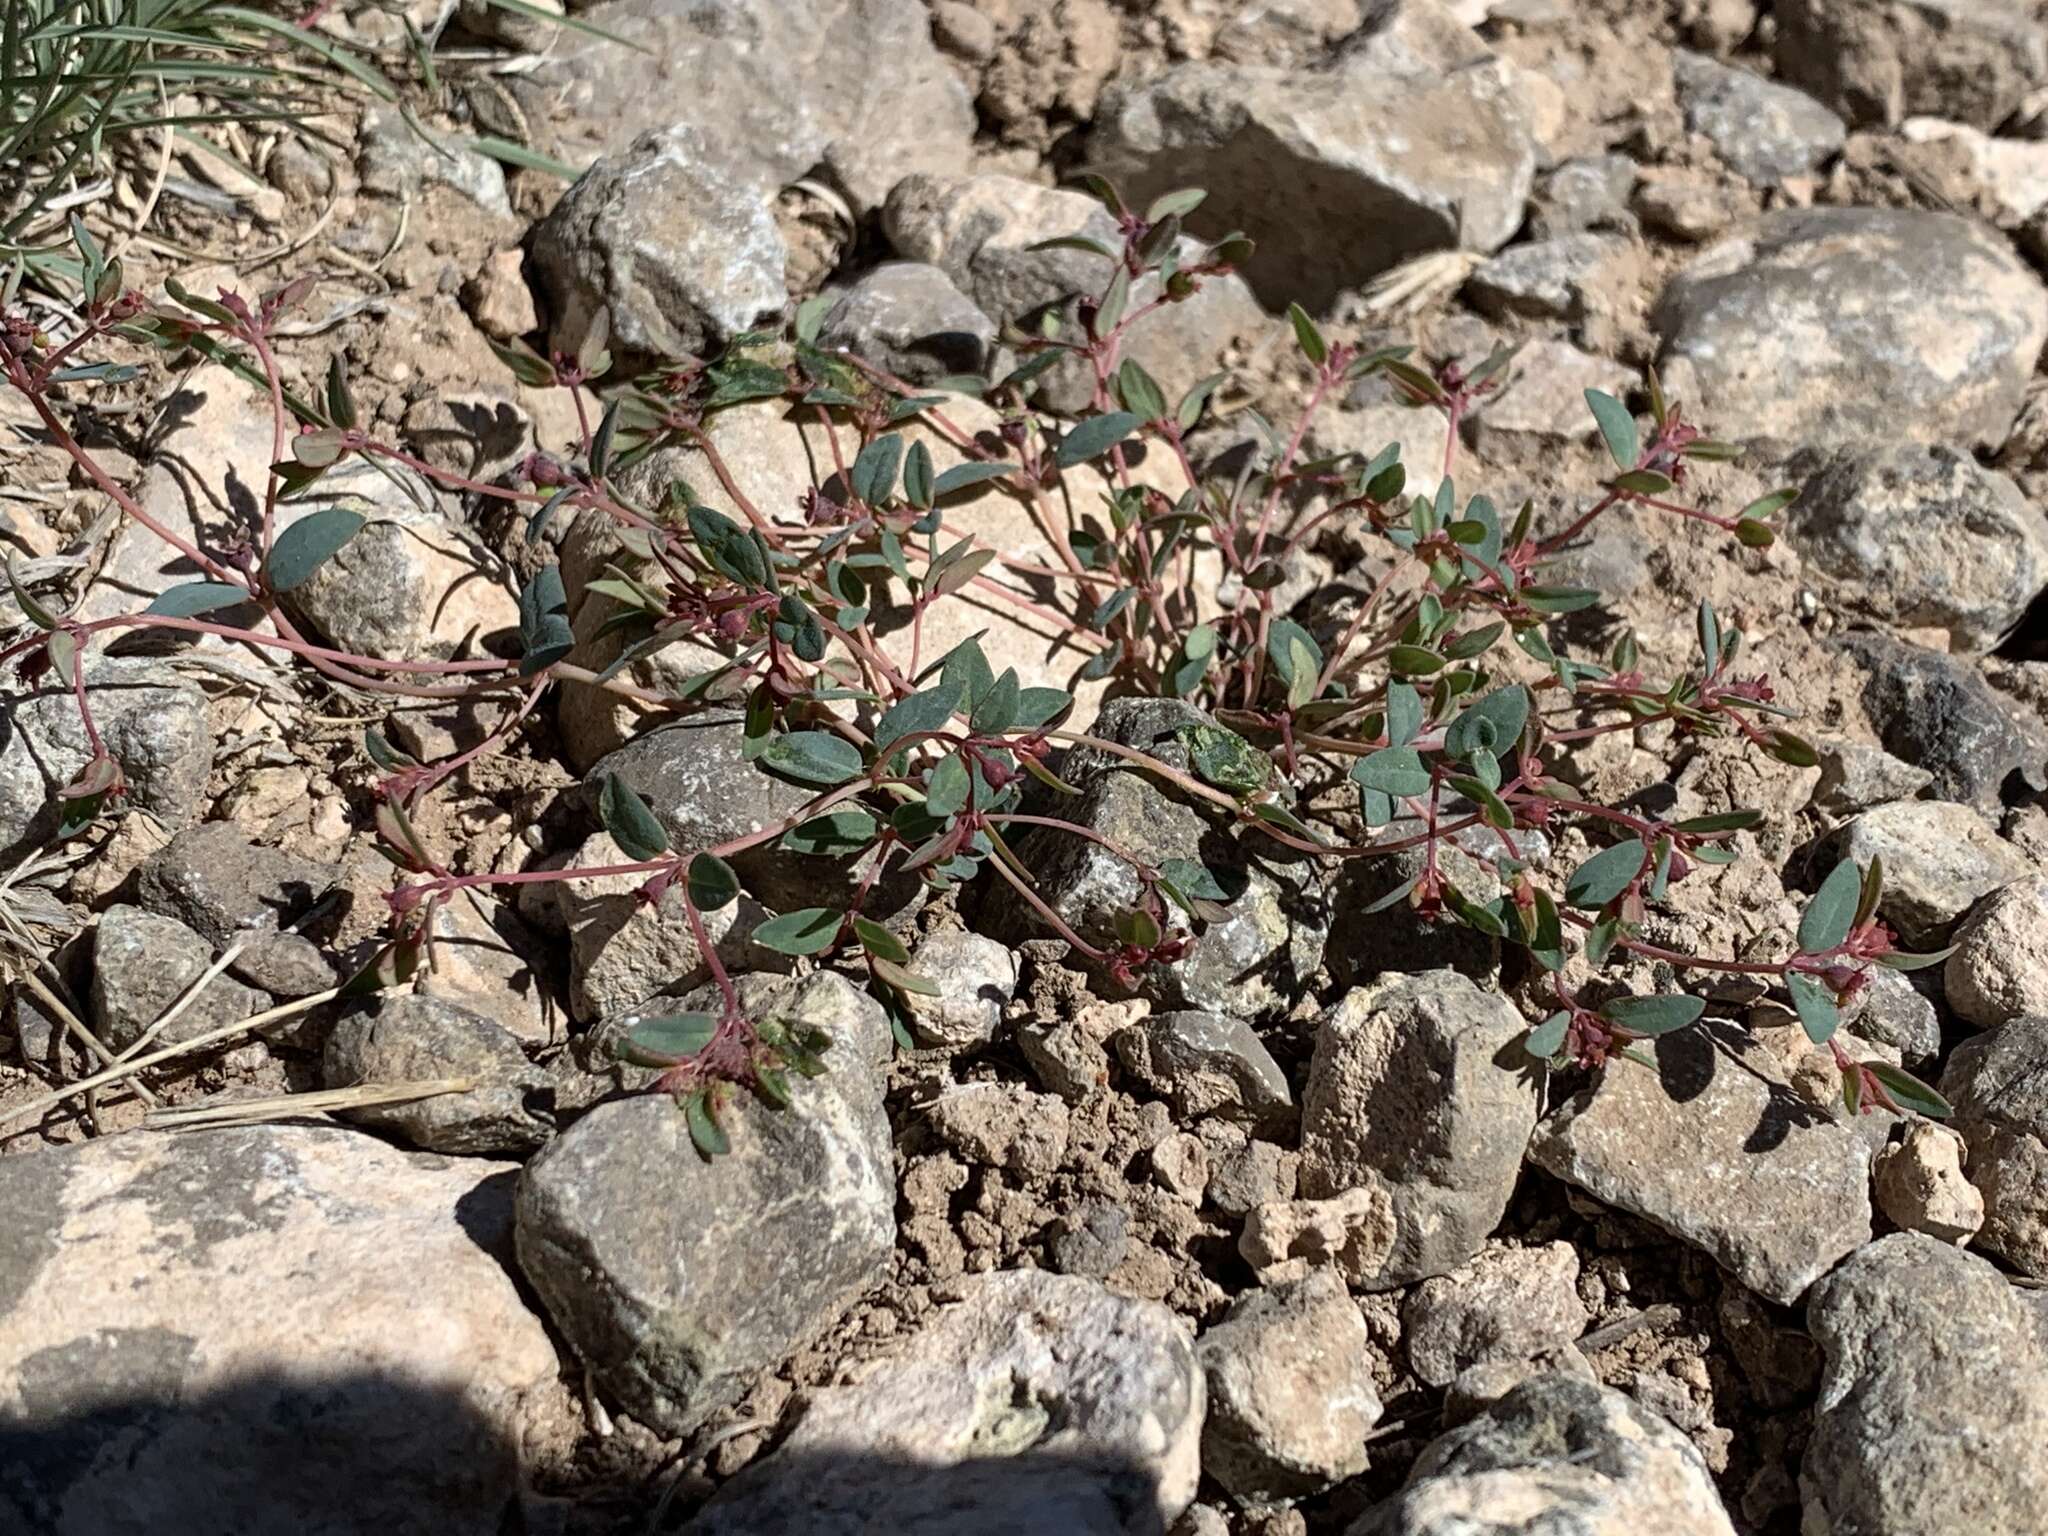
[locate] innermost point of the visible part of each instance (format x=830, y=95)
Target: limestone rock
x=1841, y=324
x=2000, y=968
x=1939, y=859
x=1406, y=1093
x=1722, y=1155
x=1921, y=1186
x=1998, y=1084
x=1967, y=59
x=186, y=1316
x=142, y=964
x=1765, y=132
x=1507, y=1304
x=908, y=318
x=399, y=1040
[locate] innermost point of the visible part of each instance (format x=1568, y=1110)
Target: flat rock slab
x=1719, y=1154
x=1041, y=1404
x=1843, y=324
x=262, y=1330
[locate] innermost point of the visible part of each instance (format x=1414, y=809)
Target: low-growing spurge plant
x=919, y=766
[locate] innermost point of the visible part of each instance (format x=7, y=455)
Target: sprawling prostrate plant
x=916, y=764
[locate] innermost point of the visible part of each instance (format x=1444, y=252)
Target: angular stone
x=1407, y=1093
x=1546, y=400
x=1854, y=776
x=1720, y=1153
x=851, y=91
x=2004, y=179
x=1003, y=1125
x=679, y=1279
x=142, y=964
x=1410, y=138
x=1937, y=713
x=1090, y=1241
x=661, y=238
x=1764, y=132
x=2000, y=968
x=980, y=232
x=1557, y=1453
x=1206, y=1064
x=1921, y=538
x=153, y=723
x=225, y=888
x=1291, y=1397
x=1892, y=1011
x=1939, y=859
x=1040, y=1403
x=976, y=978
x=1935, y=1399
x=1998, y=1084
x=1967, y=59
x=1507, y=1304
x=1834, y=325
x=413, y=1039
x=1921, y=1186
x=907, y=317
x=1352, y=1232
x=1560, y=279
x=183, y=1316
x=1589, y=192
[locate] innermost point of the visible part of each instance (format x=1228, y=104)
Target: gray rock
x=181, y=1317
x=1588, y=192
x=850, y=91
x=1410, y=138
x=1557, y=1454
x=1544, y=402
x=1478, y=1387
x=1854, y=776
x=1890, y=1010
x=411, y=583
x=1840, y=324
x=1967, y=59
x=1939, y=859
x=1090, y=1241
x=489, y=962
x=663, y=239
x=678, y=1279
x=1254, y=962
x=1255, y=1174
x=399, y=1040
x=2000, y=968
x=153, y=723
x=1719, y=1152
x=141, y=965
x=975, y=976
x=1003, y=1125
x=1935, y=1399
x=1764, y=132
x=1998, y=1084
x=980, y=230
x=224, y=887
x=1507, y=1304
x=1937, y=713
x=1040, y=1404
x=394, y=160
x=704, y=792
x=1560, y=279
x=1920, y=1185
x=1206, y=1064
x=1922, y=537
x=1407, y=1092
x=907, y=317
x=1291, y=1396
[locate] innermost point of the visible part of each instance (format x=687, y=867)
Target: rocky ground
x=1281, y=1247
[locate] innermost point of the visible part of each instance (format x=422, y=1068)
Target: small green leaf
x=1908, y=1092
x=879, y=941
x=1225, y=759
x=705, y=1131
x=918, y=484
x=1404, y=713
x=1815, y=1006
x=1396, y=771
x=629, y=820
x=961, y=476
x=1617, y=427
x=666, y=1039
x=1547, y=1038
x=1658, y=1015
x=712, y=883
x=1899, y=960
x=1414, y=660
x=197, y=597
x=1306, y=336
x=873, y=476
x=1491, y=724
x=811, y=757
x=1604, y=876
x=1721, y=821
x=544, y=633
x=1828, y=917
x=949, y=787
x=836, y=833
x=308, y=544
x=805, y=931
x=1096, y=436
x=997, y=710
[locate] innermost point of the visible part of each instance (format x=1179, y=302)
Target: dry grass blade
x=288, y=1106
